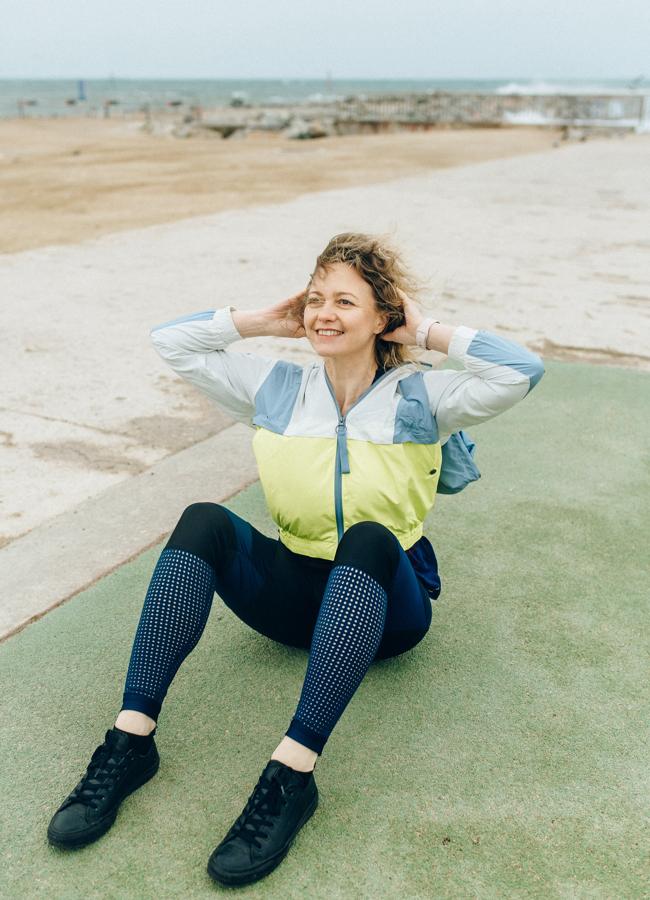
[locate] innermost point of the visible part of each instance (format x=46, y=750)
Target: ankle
x=134, y=722
x=295, y=755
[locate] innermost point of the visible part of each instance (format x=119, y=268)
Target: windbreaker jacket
x=322, y=471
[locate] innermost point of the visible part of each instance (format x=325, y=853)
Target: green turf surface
x=505, y=756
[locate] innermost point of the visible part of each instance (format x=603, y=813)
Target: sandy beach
x=66, y=180
x=545, y=244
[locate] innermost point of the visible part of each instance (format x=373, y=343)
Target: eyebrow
x=337, y=294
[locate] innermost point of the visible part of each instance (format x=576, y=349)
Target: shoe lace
x=263, y=805
x=105, y=765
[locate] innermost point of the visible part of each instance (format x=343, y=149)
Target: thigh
x=408, y=616
x=239, y=555
x=273, y=591
x=291, y=597
x=373, y=548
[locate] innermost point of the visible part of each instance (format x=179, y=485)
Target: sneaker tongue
x=286, y=773
x=118, y=738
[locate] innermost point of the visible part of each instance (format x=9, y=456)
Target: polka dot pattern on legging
x=346, y=637
x=174, y=614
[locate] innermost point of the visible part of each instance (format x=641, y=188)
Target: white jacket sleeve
x=195, y=347
x=497, y=374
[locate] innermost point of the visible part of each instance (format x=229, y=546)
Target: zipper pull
x=342, y=446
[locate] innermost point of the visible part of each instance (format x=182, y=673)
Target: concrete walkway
x=66, y=554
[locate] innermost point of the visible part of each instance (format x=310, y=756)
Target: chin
x=325, y=354
x=324, y=351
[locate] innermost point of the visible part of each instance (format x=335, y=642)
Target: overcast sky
x=306, y=39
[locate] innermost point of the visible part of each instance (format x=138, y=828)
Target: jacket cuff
x=460, y=341
x=224, y=327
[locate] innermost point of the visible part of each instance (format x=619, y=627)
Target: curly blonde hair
x=380, y=265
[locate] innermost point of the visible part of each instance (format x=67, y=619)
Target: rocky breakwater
x=588, y=114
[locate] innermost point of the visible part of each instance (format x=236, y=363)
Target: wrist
x=438, y=337
x=250, y=323
x=422, y=331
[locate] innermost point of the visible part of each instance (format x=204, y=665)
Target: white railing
x=622, y=110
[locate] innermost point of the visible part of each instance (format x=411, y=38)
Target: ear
x=382, y=323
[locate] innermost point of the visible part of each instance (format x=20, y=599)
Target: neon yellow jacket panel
x=321, y=471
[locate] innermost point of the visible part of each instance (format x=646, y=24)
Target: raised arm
x=196, y=345
x=496, y=374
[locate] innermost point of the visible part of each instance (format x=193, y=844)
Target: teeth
x=323, y=331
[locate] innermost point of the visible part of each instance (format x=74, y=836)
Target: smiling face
x=341, y=317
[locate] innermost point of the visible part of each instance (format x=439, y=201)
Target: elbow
x=159, y=344
x=536, y=371
x=155, y=339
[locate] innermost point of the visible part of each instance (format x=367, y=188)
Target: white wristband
x=423, y=331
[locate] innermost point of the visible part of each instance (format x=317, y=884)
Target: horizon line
x=320, y=78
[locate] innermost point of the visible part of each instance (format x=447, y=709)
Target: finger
x=294, y=303
x=291, y=301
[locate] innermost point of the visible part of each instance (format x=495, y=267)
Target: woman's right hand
x=284, y=319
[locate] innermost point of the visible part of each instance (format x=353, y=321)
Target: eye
x=345, y=300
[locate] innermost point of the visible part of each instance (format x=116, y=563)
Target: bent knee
x=372, y=547
x=206, y=530
x=370, y=530
x=203, y=512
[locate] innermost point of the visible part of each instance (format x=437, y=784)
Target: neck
x=350, y=378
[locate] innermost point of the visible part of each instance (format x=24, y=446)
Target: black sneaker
x=258, y=841
x=115, y=770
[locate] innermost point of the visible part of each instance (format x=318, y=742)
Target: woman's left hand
x=405, y=334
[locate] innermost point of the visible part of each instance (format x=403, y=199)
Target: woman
x=351, y=452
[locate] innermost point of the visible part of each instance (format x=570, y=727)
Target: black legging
x=365, y=604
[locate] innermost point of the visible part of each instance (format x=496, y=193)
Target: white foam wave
x=533, y=117
x=547, y=87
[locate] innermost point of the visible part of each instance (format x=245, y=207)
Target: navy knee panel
x=207, y=531
x=371, y=547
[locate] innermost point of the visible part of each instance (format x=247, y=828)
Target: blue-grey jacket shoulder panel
x=414, y=420
x=277, y=395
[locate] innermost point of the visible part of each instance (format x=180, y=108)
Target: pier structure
x=436, y=108
x=375, y=113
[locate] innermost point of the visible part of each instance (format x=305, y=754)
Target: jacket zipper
x=342, y=466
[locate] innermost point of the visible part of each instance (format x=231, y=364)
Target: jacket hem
x=326, y=549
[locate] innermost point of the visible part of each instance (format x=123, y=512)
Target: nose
x=326, y=313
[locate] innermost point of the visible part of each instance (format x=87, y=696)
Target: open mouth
x=328, y=332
